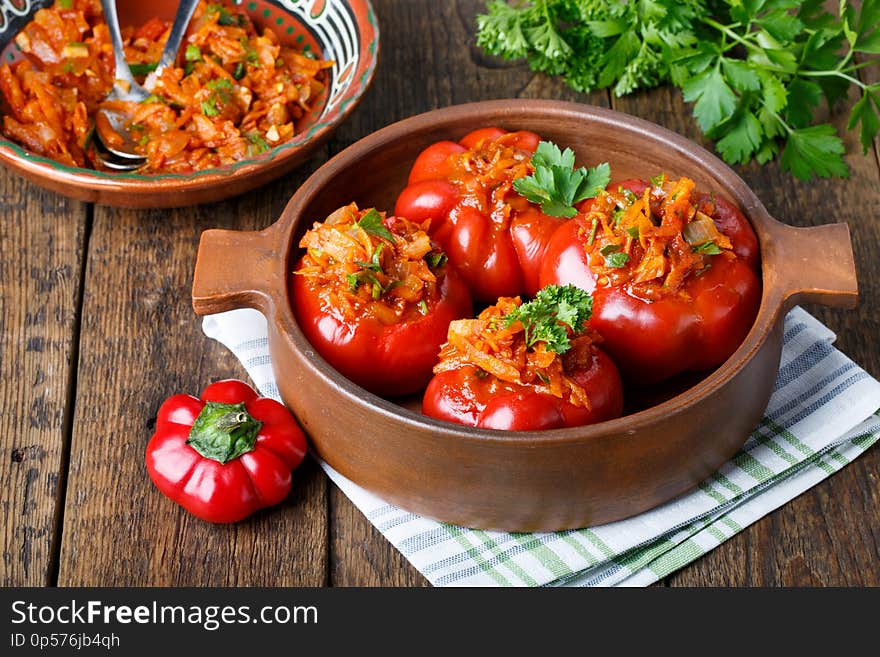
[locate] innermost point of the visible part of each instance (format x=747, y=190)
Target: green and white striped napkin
x=822, y=415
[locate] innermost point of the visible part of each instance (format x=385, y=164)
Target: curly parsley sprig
x=756, y=71
x=551, y=314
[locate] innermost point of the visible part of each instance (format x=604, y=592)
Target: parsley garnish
x=219, y=83
x=209, y=107
x=556, y=185
x=65, y=4
x=423, y=307
x=369, y=278
x=551, y=314
x=436, y=259
x=375, y=263
x=250, y=54
x=193, y=54
x=139, y=70
x=257, y=143
x=239, y=71
x=756, y=72
x=372, y=223
x=614, y=258
x=593, y=228
x=225, y=18
x=708, y=248
x=657, y=181
x=633, y=232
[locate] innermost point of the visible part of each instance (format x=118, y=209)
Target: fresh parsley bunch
x=755, y=70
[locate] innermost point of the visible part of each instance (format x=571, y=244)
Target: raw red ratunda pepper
x=226, y=455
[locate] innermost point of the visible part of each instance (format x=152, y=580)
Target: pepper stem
x=223, y=432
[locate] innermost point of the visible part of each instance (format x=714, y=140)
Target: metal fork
x=111, y=125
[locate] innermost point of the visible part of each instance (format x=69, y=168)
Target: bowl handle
x=812, y=265
x=237, y=269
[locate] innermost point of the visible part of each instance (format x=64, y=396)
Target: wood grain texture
x=359, y=554
x=42, y=251
x=141, y=342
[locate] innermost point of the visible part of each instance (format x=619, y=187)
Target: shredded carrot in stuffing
x=499, y=349
x=651, y=243
x=361, y=261
x=485, y=174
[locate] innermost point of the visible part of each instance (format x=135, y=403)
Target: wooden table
x=97, y=330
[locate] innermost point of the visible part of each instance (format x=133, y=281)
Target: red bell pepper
x=226, y=455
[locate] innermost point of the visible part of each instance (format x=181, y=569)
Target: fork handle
x=178, y=30
x=122, y=73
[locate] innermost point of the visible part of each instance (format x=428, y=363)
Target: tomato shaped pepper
x=226, y=455
x=375, y=297
x=493, y=236
x=525, y=367
x=672, y=272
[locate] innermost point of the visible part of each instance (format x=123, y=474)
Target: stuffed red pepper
x=493, y=235
x=525, y=367
x=374, y=295
x=672, y=271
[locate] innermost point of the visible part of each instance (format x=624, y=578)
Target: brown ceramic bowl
x=345, y=31
x=522, y=481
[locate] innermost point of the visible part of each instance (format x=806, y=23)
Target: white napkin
x=821, y=416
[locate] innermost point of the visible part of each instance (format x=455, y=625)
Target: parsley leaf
x=501, y=31
x=707, y=248
x=743, y=139
x=192, y=53
x=225, y=17
x=864, y=111
x=713, y=98
x=614, y=258
x=219, y=83
x=257, y=143
x=372, y=223
x=551, y=314
x=556, y=185
x=209, y=107
x=375, y=263
x=815, y=150
x=369, y=278
x=436, y=259
x=140, y=70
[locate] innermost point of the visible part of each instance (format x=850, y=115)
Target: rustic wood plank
x=40, y=269
x=141, y=342
x=446, y=68
x=360, y=555
x=817, y=538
